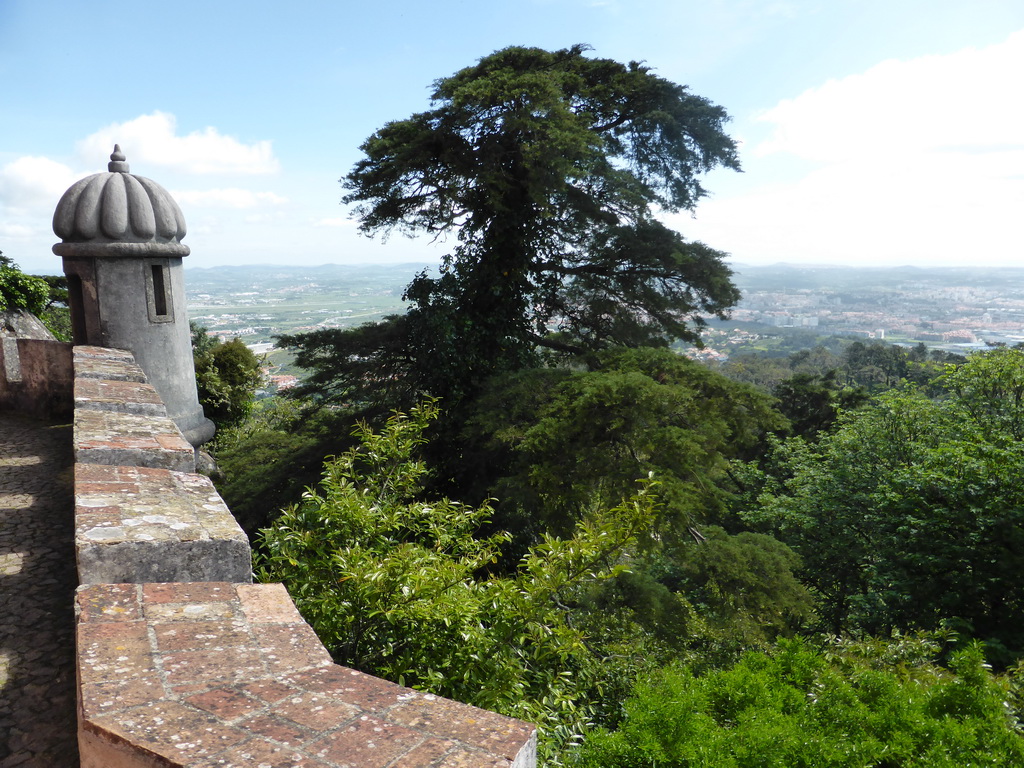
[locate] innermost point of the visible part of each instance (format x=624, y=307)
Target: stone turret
x=121, y=245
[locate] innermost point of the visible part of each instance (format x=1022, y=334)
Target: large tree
x=547, y=170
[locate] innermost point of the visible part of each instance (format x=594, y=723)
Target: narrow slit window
x=76, y=302
x=159, y=294
x=159, y=290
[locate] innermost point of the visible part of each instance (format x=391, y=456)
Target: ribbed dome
x=117, y=213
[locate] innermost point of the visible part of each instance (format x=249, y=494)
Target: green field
x=256, y=303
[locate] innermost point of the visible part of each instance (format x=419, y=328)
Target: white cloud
x=30, y=182
x=31, y=186
x=153, y=140
x=934, y=103
x=15, y=231
x=919, y=161
x=262, y=218
x=228, y=198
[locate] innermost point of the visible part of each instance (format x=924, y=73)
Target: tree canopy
x=909, y=515
x=552, y=440
x=547, y=169
x=227, y=376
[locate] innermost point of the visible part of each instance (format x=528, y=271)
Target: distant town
x=936, y=306
x=783, y=306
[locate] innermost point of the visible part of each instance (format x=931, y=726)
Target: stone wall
x=181, y=660
x=35, y=376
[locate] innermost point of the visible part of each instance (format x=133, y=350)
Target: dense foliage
x=547, y=441
x=909, y=513
x=902, y=514
x=399, y=587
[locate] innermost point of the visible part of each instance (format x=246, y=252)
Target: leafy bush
x=397, y=585
x=796, y=709
x=227, y=376
x=21, y=291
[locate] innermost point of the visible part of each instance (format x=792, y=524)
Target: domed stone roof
x=118, y=214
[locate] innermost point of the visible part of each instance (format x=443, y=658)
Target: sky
x=871, y=132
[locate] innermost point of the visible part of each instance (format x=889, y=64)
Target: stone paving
x=37, y=584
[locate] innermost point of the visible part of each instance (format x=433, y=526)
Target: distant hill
x=277, y=276
x=816, y=277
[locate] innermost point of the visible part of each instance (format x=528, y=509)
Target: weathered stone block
x=134, y=524
x=105, y=437
x=103, y=363
x=138, y=524
x=119, y=396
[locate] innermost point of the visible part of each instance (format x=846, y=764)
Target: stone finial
x=117, y=162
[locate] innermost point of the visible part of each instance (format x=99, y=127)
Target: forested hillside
x=519, y=495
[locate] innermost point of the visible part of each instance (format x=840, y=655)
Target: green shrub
x=21, y=291
x=802, y=708
x=398, y=586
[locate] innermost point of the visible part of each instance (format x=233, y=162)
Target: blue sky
x=875, y=132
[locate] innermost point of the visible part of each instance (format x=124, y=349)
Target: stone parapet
x=119, y=417
x=136, y=524
x=229, y=675
x=182, y=661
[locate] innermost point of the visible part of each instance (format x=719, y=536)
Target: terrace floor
x=37, y=585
